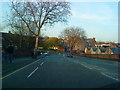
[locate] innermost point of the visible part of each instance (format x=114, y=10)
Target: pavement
x=58, y=71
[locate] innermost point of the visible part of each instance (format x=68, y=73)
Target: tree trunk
x=36, y=43
x=36, y=47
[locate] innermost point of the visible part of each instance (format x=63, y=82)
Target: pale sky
x=98, y=19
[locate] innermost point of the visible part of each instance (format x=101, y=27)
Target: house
x=93, y=50
x=118, y=45
x=105, y=45
x=91, y=42
x=113, y=51
x=113, y=45
x=102, y=45
x=65, y=44
x=87, y=50
x=84, y=43
x=21, y=41
x=103, y=50
x=80, y=45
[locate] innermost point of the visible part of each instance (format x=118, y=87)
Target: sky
x=98, y=19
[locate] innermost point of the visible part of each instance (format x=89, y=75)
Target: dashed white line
x=32, y=72
x=41, y=63
x=109, y=76
x=18, y=70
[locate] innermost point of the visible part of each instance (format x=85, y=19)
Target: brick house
x=87, y=50
x=83, y=43
x=91, y=42
x=105, y=45
x=113, y=51
x=113, y=45
x=95, y=51
x=22, y=42
x=103, y=50
x=66, y=45
x=80, y=46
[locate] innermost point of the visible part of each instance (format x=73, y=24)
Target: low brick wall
x=106, y=56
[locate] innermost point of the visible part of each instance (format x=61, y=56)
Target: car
x=40, y=52
x=70, y=56
x=45, y=53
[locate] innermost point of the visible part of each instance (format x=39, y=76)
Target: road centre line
x=19, y=69
x=109, y=76
x=32, y=72
x=41, y=63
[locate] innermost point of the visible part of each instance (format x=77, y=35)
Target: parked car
x=40, y=52
x=45, y=53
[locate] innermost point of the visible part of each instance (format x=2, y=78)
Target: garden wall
x=106, y=56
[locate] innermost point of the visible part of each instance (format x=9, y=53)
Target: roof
x=94, y=49
x=102, y=50
x=88, y=48
x=115, y=50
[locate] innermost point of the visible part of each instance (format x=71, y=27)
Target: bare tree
x=35, y=15
x=73, y=35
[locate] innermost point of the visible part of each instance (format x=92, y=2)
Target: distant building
x=64, y=45
x=87, y=50
x=103, y=50
x=93, y=50
x=91, y=42
x=118, y=45
x=113, y=51
x=106, y=45
x=23, y=42
x=84, y=43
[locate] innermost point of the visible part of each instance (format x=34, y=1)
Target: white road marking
x=19, y=69
x=32, y=72
x=90, y=66
x=109, y=76
x=41, y=63
x=113, y=76
x=85, y=66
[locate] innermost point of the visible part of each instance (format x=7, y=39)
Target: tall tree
x=35, y=15
x=73, y=35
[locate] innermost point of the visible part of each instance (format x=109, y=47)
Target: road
x=58, y=71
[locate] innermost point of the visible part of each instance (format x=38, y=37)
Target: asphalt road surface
x=58, y=71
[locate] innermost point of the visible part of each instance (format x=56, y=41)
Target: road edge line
x=109, y=76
